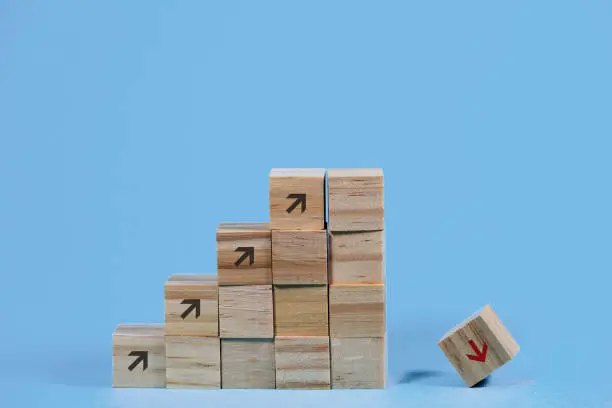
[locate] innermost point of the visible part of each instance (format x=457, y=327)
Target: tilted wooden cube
x=297, y=199
x=302, y=362
x=193, y=362
x=357, y=310
x=355, y=199
x=139, y=356
x=301, y=310
x=246, y=312
x=299, y=257
x=244, y=254
x=192, y=305
x=358, y=363
x=247, y=363
x=478, y=346
x=356, y=257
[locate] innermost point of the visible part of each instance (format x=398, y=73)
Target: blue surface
x=128, y=130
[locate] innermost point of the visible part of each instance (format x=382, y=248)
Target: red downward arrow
x=480, y=355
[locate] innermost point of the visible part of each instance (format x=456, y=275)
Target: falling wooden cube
x=246, y=312
x=244, y=252
x=478, y=346
x=302, y=362
x=192, y=305
x=357, y=310
x=356, y=257
x=301, y=310
x=297, y=199
x=358, y=363
x=299, y=257
x=139, y=356
x=247, y=363
x=355, y=199
x=193, y=362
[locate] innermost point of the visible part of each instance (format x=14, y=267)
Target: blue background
x=128, y=130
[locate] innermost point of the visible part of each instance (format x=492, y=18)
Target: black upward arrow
x=248, y=252
x=193, y=304
x=299, y=198
x=141, y=356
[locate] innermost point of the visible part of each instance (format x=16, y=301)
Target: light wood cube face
x=246, y=312
x=478, y=346
x=301, y=310
x=358, y=363
x=356, y=200
x=248, y=363
x=356, y=257
x=139, y=356
x=357, y=310
x=297, y=199
x=299, y=257
x=244, y=254
x=192, y=305
x=302, y=362
x=193, y=362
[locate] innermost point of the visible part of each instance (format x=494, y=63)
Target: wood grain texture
x=355, y=199
x=302, y=362
x=301, y=311
x=202, y=288
x=231, y=267
x=246, y=312
x=247, y=363
x=299, y=257
x=357, y=310
x=483, y=327
x=358, y=363
x=284, y=182
x=193, y=362
x=356, y=257
x=148, y=338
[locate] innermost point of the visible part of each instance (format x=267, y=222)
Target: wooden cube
x=139, y=356
x=356, y=257
x=357, y=310
x=355, y=199
x=297, y=199
x=192, y=305
x=244, y=252
x=193, y=362
x=478, y=346
x=358, y=363
x=301, y=310
x=247, y=363
x=299, y=257
x=246, y=312
x=302, y=362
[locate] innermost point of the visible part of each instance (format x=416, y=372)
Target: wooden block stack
x=357, y=291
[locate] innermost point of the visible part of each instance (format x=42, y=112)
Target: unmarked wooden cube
x=193, y=362
x=478, y=346
x=297, y=199
x=299, y=257
x=357, y=310
x=246, y=312
x=139, y=356
x=356, y=257
x=244, y=252
x=358, y=363
x=302, y=362
x=192, y=305
x=355, y=199
x=247, y=363
x=301, y=310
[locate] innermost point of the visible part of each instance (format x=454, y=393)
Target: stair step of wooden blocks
x=244, y=254
x=301, y=311
x=139, y=356
x=358, y=362
x=302, y=362
x=246, y=312
x=248, y=363
x=357, y=310
x=299, y=257
x=356, y=257
x=193, y=362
